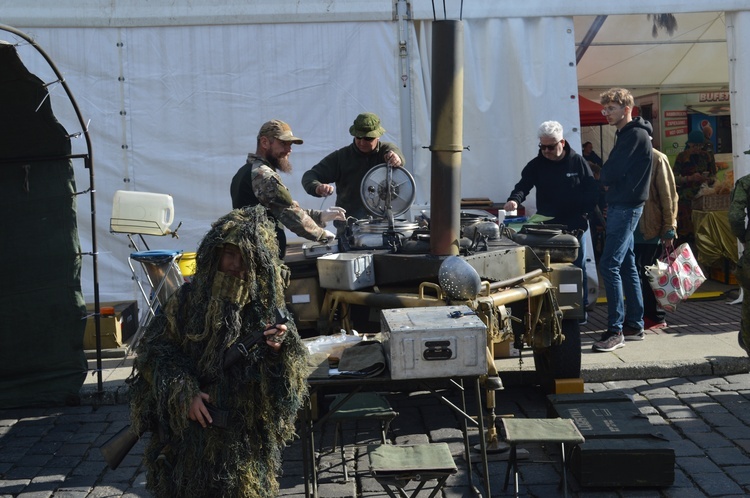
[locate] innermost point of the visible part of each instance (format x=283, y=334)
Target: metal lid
x=384, y=187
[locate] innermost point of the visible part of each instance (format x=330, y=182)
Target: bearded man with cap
x=347, y=166
x=258, y=182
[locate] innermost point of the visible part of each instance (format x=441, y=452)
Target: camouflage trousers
x=743, y=277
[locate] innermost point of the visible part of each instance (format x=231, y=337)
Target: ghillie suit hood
x=182, y=354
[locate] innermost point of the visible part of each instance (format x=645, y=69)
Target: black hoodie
x=565, y=189
x=627, y=172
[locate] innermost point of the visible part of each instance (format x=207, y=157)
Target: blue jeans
x=618, y=269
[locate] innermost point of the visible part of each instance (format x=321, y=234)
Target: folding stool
x=393, y=466
x=539, y=430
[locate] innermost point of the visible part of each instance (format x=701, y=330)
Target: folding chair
x=393, y=466
x=146, y=213
x=359, y=406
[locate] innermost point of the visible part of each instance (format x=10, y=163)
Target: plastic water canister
x=146, y=213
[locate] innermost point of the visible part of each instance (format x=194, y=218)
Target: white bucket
x=142, y=212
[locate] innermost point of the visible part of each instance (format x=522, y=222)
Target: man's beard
x=281, y=164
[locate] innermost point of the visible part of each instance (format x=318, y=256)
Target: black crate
x=622, y=448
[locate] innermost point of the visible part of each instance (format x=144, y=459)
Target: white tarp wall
x=739, y=96
x=175, y=94
x=176, y=109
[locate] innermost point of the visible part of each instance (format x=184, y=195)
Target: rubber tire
x=563, y=361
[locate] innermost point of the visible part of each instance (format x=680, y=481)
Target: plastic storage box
x=346, y=271
x=434, y=342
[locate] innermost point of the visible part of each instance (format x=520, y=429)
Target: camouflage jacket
x=258, y=183
x=738, y=207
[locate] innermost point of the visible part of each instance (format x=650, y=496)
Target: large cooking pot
x=473, y=221
x=369, y=233
x=562, y=247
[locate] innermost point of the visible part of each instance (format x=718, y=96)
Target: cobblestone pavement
x=53, y=452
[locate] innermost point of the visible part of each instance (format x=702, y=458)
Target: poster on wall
x=707, y=124
x=675, y=129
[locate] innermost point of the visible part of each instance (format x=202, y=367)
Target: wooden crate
x=712, y=202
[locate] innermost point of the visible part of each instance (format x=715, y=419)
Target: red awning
x=591, y=112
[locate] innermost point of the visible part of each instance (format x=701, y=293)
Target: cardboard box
x=114, y=330
x=504, y=349
x=346, y=271
x=424, y=343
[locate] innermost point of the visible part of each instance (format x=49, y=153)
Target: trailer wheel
x=563, y=361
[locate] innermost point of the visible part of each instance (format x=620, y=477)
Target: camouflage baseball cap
x=367, y=125
x=278, y=129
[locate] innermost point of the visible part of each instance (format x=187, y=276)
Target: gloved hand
x=668, y=235
x=333, y=213
x=329, y=236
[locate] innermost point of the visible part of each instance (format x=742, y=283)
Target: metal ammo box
x=434, y=342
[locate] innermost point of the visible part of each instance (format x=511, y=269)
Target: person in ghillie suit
x=737, y=215
x=180, y=366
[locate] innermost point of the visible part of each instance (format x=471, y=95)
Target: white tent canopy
x=176, y=91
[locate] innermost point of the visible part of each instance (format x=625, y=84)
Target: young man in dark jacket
x=626, y=176
x=565, y=187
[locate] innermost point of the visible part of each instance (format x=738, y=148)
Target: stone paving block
x=686, y=448
x=678, y=412
x=13, y=486
x=683, y=493
x=412, y=439
x=18, y=472
x=691, y=425
x=698, y=465
x=706, y=440
x=743, y=443
x=694, y=388
x=717, y=484
x=740, y=473
x=707, y=379
x=735, y=432
x=727, y=456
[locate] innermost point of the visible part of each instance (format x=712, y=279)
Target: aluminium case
x=346, y=271
x=425, y=343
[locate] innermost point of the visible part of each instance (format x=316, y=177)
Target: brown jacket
x=660, y=210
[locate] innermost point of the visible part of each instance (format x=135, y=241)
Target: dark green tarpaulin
x=42, y=310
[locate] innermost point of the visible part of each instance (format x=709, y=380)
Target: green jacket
x=346, y=167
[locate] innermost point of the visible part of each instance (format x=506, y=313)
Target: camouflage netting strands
x=182, y=353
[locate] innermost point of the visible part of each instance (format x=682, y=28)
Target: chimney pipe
x=446, y=136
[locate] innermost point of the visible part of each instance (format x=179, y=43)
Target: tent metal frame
x=88, y=159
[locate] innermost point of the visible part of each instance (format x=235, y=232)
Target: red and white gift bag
x=675, y=277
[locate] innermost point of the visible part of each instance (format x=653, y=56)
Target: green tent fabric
x=42, y=310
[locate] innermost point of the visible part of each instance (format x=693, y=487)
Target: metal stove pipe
x=446, y=136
